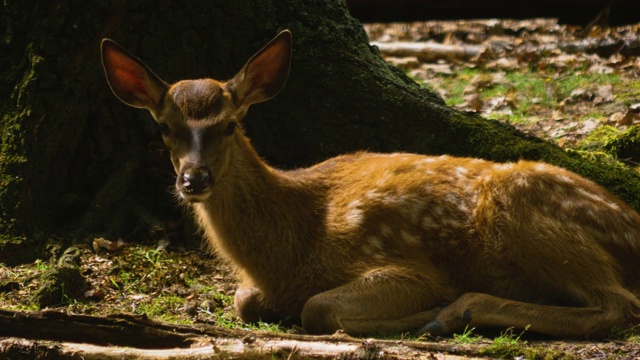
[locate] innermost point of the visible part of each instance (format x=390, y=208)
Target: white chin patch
x=194, y=198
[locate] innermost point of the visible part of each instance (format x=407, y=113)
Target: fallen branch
x=428, y=51
x=59, y=335
x=224, y=348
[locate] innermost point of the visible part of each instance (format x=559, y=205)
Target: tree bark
x=72, y=158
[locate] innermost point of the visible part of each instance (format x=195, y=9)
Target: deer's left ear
x=265, y=74
x=130, y=79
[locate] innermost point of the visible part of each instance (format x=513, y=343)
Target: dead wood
x=428, y=51
x=60, y=335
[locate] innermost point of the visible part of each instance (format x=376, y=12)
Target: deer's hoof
x=433, y=328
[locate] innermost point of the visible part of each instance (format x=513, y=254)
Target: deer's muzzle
x=194, y=183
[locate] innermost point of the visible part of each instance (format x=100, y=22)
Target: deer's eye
x=230, y=129
x=164, y=129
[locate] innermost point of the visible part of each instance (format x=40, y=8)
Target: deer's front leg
x=251, y=306
x=390, y=299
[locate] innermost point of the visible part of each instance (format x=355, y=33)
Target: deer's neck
x=259, y=218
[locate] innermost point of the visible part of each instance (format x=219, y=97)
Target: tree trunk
x=72, y=158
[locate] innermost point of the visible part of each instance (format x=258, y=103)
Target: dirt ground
x=170, y=283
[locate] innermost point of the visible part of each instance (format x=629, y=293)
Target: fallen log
x=60, y=335
x=220, y=348
x=428, y=52
x=431, y=52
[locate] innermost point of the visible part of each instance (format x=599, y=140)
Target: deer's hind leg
x=618, y=307
x=389, y=299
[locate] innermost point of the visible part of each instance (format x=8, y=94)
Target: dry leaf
x=102, y=243
x=628, y=118
x=472, y=102
x=438, y=68
x=95, y=294
x=600, y=69
x=499, y=105
x=604, y=94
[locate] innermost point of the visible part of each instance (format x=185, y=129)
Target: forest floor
x=573, y=89
x=557, y=82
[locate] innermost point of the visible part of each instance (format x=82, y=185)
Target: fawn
x=395, y=242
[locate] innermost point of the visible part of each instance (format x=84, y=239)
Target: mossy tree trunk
x=73, y=158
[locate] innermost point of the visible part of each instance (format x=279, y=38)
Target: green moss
x=626, y=145
x=600, y=139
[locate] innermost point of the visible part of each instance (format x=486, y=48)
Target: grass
x=467, y=336
x=508, y=345
x=532, y=90
x=162, y=308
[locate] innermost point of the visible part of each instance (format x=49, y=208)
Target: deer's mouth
x=194, y=198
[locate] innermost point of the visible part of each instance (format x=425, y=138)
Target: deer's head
x=198, y=118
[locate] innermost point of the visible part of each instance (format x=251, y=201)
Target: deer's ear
x=265, y=74
x=130, y=79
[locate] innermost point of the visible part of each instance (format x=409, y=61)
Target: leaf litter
x=571, y=80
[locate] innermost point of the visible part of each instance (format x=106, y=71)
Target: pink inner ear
x=130, y=81
x=135, y=81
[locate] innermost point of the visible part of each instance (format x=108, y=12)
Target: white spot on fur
x=375, y=246
x=438, y=211
x=354, y=214
x=375, y=242
x=506, y=166
x=384, y=179
x=463, y=207
x=541, y=167
x=429, y=223
x=386, y=230
x=372, y=194
x=564, y=179
x=461, y=172
x=631, y=237
x=613, y=206
x=409, y=238
x=567, y=204
x=522, y=181
x=451, y=223
x=429, y=160
x=591, y=195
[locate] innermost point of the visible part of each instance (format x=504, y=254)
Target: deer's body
x=390, y=242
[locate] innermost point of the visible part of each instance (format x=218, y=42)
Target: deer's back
x=474, y=220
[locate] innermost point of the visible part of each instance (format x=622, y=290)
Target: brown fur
x=381, y=242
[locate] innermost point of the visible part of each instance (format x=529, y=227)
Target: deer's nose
x=195, y=180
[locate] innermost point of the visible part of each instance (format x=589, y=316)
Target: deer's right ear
x=130, y=79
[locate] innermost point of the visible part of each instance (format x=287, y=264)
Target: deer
x=369, y=243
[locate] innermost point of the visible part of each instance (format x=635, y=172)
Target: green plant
x=41, y=265
x=154, y=256
x=162, y=307
x=467, y=336
x=507, y=337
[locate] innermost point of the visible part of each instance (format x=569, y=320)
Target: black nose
x=195, y=180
